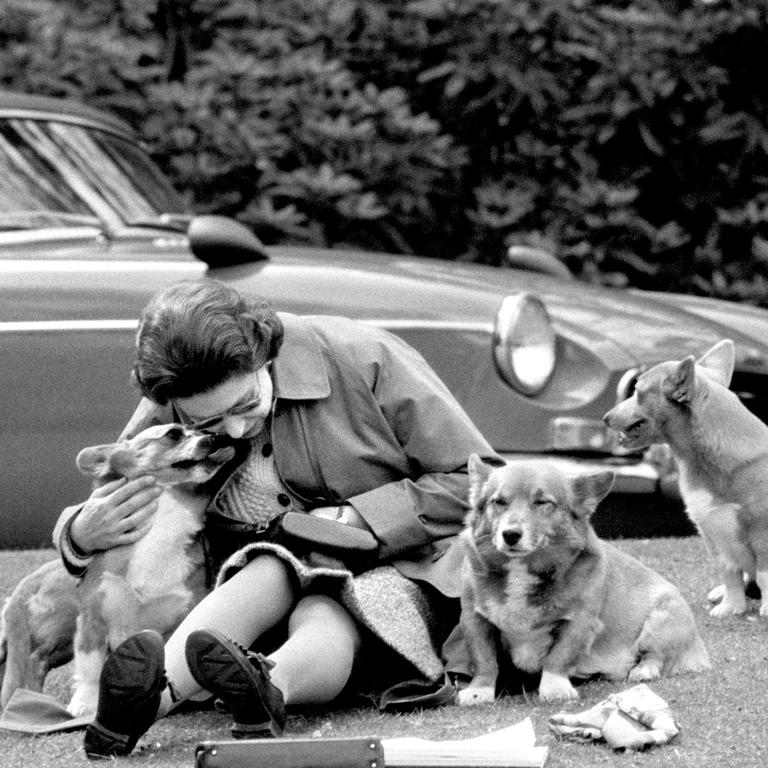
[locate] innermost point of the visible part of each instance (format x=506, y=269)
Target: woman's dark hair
x=196, y=334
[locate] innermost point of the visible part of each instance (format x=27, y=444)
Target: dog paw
x=644, y=671
x=716, y=594
x=556, y=688
x=83, y=702
x=764, y=610
x=470, y=697
x=726, y=608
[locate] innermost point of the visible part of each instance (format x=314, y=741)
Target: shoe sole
x=213, y=645
x=140, y=657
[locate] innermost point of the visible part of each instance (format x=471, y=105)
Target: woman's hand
x=118, y=513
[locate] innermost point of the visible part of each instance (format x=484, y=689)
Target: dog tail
x=29, y=650
x=15, y=648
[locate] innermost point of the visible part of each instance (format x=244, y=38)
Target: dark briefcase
x=355, y=752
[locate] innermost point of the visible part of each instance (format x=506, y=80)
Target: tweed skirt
x=403, y=614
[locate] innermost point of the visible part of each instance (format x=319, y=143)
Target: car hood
x=628, y=327
x=650, y=327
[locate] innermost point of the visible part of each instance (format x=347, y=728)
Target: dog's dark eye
x=499, y=501
x=543, y=503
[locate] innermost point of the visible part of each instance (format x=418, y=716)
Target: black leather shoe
x=130, y=686
x=240, y=678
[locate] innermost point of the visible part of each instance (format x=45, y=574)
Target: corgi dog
x=153, y=583
x=721, y=451
x=539, y=584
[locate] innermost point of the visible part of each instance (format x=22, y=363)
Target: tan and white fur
x=538, y=582
x=151, y=584
x=721, y=450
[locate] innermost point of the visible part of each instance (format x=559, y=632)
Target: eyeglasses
x=241, y=409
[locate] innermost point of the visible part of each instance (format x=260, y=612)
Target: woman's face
x=238, y=407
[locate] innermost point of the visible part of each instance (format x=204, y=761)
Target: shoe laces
x=257, y=659
x=172, y=689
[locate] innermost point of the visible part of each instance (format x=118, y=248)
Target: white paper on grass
x=511, y=746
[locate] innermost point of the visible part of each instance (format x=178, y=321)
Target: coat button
x=284, y=499
x=266, y=450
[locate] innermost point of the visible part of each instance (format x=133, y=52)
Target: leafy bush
x=629, y=138
x=269, y=127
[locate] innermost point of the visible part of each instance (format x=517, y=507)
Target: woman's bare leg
x=254, y=600
x=315, y=662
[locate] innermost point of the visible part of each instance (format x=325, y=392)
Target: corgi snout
x=631, y=427
x=619, y=416
x=204, y=445
x=511, y=536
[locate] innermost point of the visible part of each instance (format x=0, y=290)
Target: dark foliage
x=629, y=138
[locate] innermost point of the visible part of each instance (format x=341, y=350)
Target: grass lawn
x=723, y=714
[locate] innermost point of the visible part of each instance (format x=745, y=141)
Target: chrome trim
x=592, y=434
x=32, y=326
x=14, y=266
x=43, y=234
x=52, y=115
x=47, y=326
x=472, y=326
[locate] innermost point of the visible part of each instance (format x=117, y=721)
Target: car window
x=66, y=173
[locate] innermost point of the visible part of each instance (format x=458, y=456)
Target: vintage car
x=89, y=229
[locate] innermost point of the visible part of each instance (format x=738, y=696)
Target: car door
x=68, y=316
x=81, y=251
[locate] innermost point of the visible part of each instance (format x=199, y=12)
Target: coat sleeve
x=437, y=438
x=146, y=414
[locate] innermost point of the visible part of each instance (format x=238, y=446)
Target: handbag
x=299, y=532
x=324, y=535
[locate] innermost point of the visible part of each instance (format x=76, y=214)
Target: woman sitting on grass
x=345, y=421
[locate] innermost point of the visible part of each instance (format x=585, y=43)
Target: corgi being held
x=721, y=450
x=150, y=584
x=561, y=601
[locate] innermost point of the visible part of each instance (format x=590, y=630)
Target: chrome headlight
x=524, y=343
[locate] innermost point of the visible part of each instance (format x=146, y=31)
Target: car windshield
x=65, y=174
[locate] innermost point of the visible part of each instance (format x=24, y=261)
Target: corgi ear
x=94, y=460
x=680, y=385
x=720, y=361
x=589, y=490
x=478, y=472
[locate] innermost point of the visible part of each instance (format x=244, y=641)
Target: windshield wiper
x=13, y=220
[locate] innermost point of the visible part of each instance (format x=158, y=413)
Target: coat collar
x=299, y=371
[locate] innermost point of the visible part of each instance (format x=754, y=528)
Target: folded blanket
x=32, y=712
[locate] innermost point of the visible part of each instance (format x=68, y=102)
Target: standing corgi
x=721, y=450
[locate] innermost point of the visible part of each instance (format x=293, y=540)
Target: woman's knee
x=266, y=572
x=328, y=615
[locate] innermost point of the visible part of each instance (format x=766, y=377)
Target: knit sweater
x=254, y=492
